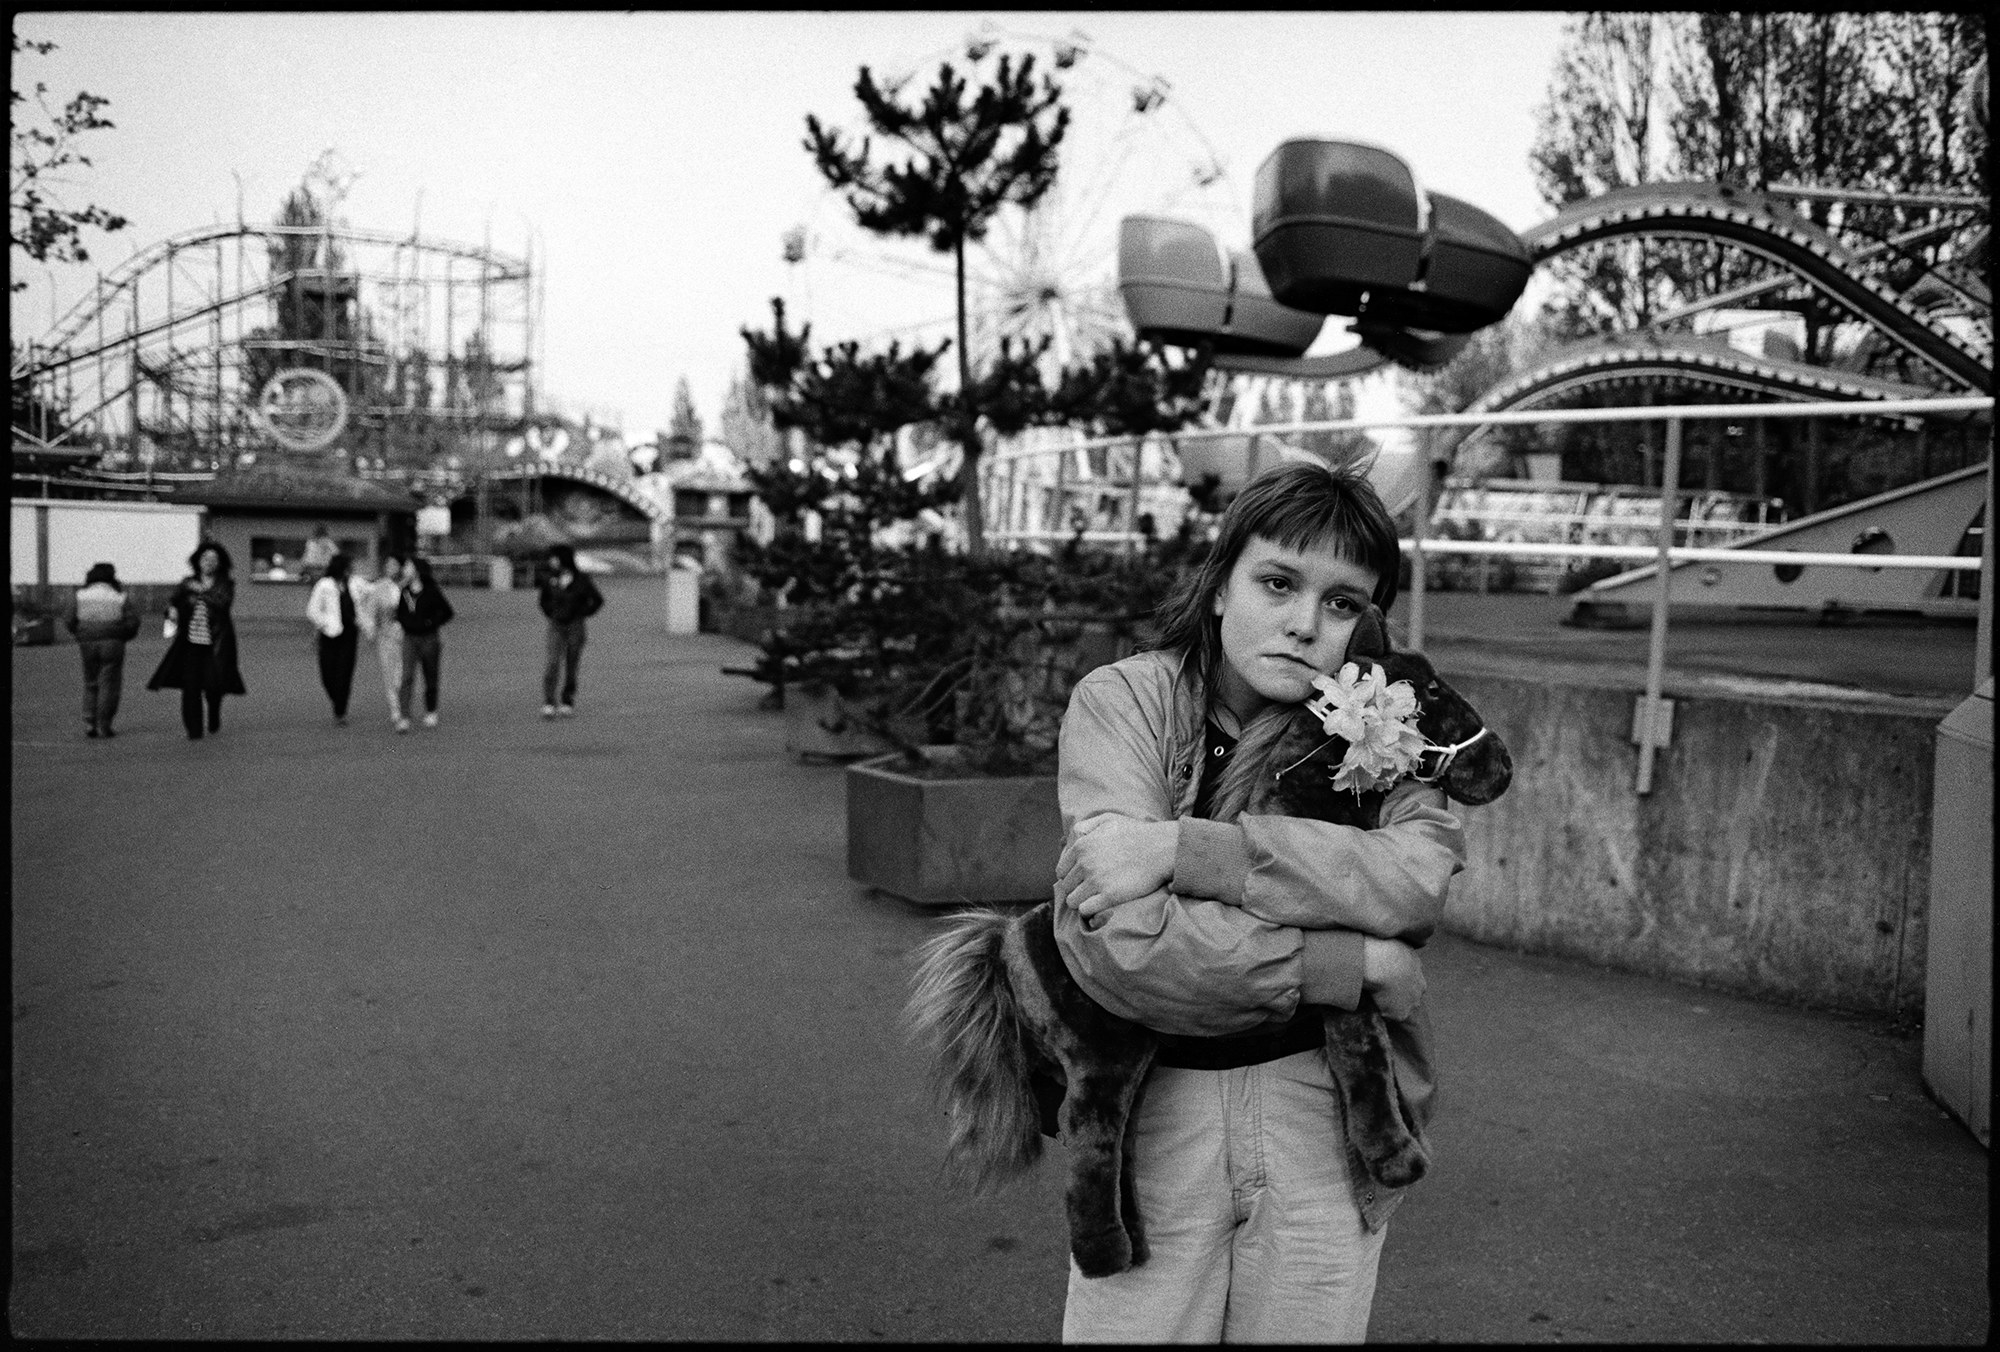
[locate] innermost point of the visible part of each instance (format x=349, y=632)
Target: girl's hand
x=1115, y=860
x=1393, y=975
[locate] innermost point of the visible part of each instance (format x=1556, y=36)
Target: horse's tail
x=962, y=1007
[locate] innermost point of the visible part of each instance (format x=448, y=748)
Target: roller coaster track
x=1702, y=361
x=1760, y=224
x=1716, y=212
x=66, y=329
x=616, y=487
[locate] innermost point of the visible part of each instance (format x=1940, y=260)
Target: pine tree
x=684, y=431
x=964, y=158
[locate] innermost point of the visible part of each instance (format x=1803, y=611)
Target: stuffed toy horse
x=1003, y=1015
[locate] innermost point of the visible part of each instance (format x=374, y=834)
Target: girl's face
x=1286, y=617
x=209, y=564
x=391, y=569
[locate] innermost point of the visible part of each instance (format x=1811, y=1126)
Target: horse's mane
x=1252, y=760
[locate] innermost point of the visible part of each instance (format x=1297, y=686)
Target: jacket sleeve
x=69, y=613
x=545, y=597
x=593, y=598
x=1177, y=964
x=1390, y=882
x=444, y=610
x=316, y=602
x=128, y=618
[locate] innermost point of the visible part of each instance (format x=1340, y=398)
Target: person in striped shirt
x=201, y=660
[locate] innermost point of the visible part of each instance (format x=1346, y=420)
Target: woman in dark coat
x=201, y=661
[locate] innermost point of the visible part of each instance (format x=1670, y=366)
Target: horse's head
x=1466, y=758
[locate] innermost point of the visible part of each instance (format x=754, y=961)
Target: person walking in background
x=201, y=660
x=319, y=551
x=103, y=619
x=378, y=620
x=421, y=610
x=568, y=597
x=334, y=611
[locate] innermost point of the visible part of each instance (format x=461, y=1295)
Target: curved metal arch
x=617, y=488
x=1717, y=212
x=1715, y=365
x=65, y=330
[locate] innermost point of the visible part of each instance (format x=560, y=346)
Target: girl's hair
x=222, y=563
x=564, y=557
x=1302, y=505
x=337, y=566
x=423, y=567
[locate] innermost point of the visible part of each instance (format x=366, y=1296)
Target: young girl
x=379, y=620
x=334, y=607
x=201, y=662
x=1262, y=1227
x=421, y=610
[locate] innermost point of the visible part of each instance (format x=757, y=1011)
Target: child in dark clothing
x=568, y=598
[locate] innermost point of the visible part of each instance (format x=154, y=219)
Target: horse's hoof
x=1104, y=1255
x=1402, y=1169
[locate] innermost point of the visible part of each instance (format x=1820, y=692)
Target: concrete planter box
x=818, y=722
x=943, y=841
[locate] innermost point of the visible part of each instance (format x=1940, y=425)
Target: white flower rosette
x=1378, y=721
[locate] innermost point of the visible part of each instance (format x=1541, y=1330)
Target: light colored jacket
x=1259, y=910
x=378, y=615
x=100, y=612
x=323, y=606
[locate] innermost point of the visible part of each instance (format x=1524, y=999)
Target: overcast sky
x=655, y=160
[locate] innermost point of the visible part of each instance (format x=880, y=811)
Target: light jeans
x=1243, y=1192
x=389, y=651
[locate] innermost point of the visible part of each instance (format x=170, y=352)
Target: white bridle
x=1446, y=755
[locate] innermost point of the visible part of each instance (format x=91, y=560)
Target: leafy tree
x=38, y=222
x=1133, y=389
x=684, y=430
x=1336, y=448
x=745, y=424
x=1868, y=100
x=965, y=156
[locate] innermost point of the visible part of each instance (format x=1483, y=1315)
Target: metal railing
x=1652, y=716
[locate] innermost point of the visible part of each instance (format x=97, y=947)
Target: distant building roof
x=290, y=487
x=715, y=469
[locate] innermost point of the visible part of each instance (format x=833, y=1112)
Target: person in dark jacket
x=421, y=610
x=568, y=598
x=201, y=661
x=103, y=619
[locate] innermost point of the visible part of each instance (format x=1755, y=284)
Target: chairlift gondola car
x=1345, y=229
x=1181, y=288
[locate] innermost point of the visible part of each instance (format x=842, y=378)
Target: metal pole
x=1982, y=647
x=135, y=374
x=1417, y=565
x=1138, y=462
x=1656, y=653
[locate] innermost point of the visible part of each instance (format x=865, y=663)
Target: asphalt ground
x=514, y=1029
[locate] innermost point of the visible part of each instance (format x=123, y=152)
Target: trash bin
x=683, y=600
x=1958, y=971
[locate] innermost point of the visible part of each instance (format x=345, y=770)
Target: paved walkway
x=578, y=1030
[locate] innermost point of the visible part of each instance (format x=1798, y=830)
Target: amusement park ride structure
x=217, y=345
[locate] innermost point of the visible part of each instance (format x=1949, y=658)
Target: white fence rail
x=1652, y=717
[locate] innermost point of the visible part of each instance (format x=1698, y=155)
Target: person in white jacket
x=378, y=621
x=333, y=612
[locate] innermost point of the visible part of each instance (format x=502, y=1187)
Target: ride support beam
x=1653, y=719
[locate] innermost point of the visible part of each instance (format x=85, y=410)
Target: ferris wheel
x=1049, y=272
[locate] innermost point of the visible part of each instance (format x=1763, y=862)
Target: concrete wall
x=1783, y=853
x=145, y=541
